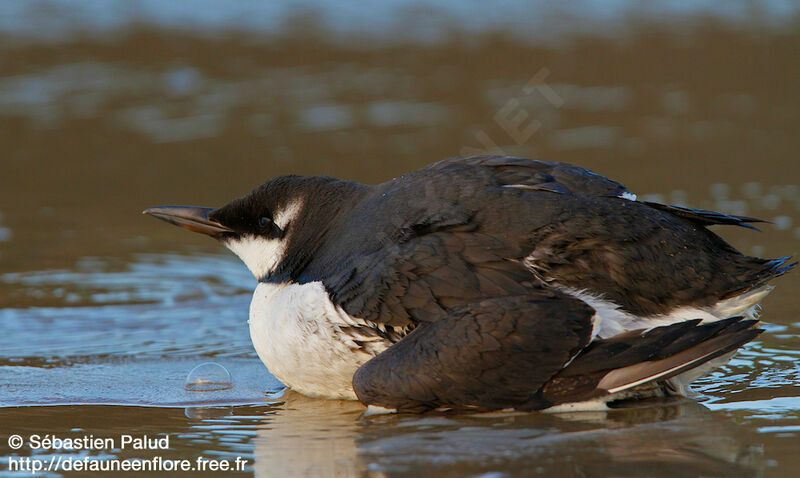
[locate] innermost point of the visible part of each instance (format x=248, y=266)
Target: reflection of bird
x=675, y=438
x=488, y=282
x=283, y=447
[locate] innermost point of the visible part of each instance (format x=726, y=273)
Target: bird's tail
x=645, y=358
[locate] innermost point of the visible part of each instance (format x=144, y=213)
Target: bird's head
x=256, y=227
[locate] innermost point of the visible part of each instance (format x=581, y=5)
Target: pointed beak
x=192, y=218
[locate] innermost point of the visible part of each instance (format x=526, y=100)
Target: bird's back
x=568, y=226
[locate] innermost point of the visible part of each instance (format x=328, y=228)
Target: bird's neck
x=323, y=207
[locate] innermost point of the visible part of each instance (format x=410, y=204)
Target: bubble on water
x=208, y=377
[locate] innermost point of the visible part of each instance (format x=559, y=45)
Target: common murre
x=485, y=282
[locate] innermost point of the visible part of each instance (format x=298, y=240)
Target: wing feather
x=492, y=354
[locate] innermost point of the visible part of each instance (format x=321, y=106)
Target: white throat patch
x=260, y=254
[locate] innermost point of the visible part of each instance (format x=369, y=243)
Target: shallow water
x=110, y=110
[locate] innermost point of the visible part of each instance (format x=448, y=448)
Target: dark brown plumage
x=474, y=272
x=441, y=241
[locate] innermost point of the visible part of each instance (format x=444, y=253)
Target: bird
x=486, y=283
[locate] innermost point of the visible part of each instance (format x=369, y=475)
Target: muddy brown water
x=104, y=312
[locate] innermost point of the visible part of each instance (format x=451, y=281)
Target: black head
x=256, y=226
x=259, y=226
x=265, y=212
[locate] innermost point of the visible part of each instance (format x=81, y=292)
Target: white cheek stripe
x=259, y=254
x=288, y=214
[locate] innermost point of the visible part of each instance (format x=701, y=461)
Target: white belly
x=314, y=347
x=306, y=341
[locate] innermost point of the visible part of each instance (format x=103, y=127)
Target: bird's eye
x=265, y=221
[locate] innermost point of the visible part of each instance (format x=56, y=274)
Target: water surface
x=110, y=110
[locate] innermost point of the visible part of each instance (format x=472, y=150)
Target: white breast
x=308, y=343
